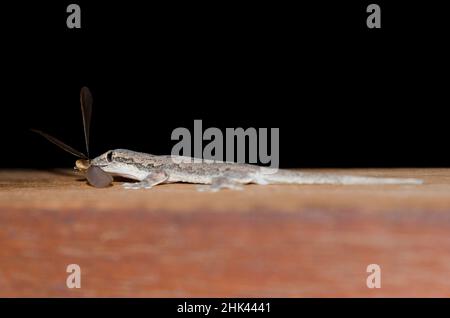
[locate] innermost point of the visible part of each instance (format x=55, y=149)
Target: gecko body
x=150, y=170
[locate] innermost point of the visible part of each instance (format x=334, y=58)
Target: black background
x=341, y=94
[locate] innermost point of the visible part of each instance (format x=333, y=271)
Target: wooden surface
x=269, y=241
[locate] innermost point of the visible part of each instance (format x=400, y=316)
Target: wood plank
x=270, y=241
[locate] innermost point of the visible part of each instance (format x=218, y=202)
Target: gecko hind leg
x=151, y=180
x=220, y=183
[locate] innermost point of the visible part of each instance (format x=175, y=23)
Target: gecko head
x=117, y=162
x=108, y=160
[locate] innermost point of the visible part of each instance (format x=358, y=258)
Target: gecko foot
x=220, y=183
x=150, y=181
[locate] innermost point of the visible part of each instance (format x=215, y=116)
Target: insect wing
x=98, y=178
x=60, y=144
x=86, y=112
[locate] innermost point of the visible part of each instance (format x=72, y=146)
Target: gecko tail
x=295, y=177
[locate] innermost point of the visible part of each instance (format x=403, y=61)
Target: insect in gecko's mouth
x=82, y=164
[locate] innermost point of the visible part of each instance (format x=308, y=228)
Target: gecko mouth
x=100, y=165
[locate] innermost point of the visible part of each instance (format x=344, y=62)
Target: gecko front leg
x=151, y=180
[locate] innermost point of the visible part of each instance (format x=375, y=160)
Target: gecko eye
x=109, y=156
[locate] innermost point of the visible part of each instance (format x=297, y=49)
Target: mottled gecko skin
x=151, y=170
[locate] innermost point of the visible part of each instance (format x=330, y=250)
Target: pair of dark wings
x=95, y=175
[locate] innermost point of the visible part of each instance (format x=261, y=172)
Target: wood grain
x=268, y=241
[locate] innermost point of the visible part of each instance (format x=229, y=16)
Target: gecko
x=150, y=170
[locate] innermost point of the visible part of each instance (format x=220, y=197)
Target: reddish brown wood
x=272, y=241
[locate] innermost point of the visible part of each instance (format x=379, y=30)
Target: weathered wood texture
x=172, y=241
